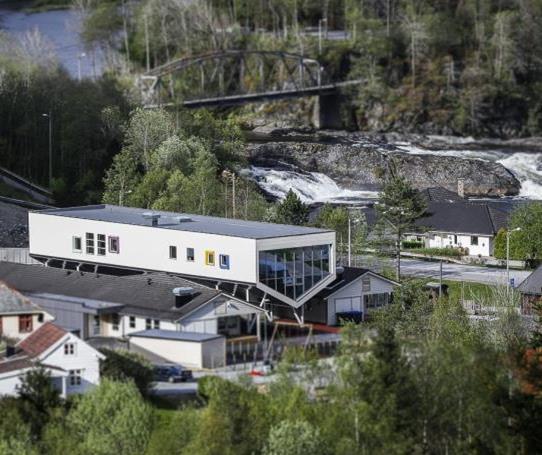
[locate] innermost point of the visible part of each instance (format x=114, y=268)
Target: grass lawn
x=471, y=291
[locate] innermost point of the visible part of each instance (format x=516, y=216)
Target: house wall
x=10, y=325
x=443, y=240
x=350, y=298
x=68, y=315
x=144, y=247
x=124, y=329
x=186, y=353
x=85, y=359
x=10, y=381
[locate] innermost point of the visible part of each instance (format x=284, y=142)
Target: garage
x=189, y=349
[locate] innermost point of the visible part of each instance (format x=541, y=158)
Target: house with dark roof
x=73, y=364
x=100, y=305
x=353, y=295
x=531, y=291
x=451, y=221
x=19, y=316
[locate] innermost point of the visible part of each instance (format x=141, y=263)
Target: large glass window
x=294, y=271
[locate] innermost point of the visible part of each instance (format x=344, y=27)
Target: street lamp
x=49, y=116
x=79, y=57
x=508, y=255
x=320, y=22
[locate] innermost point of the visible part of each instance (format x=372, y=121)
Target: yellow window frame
x=210, y=257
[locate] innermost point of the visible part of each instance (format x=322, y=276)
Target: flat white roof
x=190, y=223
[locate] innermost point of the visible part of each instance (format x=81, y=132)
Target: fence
x=243, y=354
x=18, y=255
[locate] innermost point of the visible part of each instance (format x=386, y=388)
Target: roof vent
x=183, y=219
x=151, y=216
x=183, y=295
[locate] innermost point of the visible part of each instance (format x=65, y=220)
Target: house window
x=115, y=321
x=209, y=257
x=90, y=242
x=172, y=252
x=455, y=239
x=40, y=317
x=77, y=244
x=156, y=324
x=101, y=244
x=190, y=254
x=132, y=322
x=25, y=323
x=114, y=245
x=474, y=240
x=74, y=377
x=224, y=261
x=366, y=284
x=148, y=324
x=69, y=349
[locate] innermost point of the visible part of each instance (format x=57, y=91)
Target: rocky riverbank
x=356, y=161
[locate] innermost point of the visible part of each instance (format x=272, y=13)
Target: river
x=60, y=28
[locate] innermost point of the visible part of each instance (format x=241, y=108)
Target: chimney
x=183, y=295
x=461, y=188
x=153, y=217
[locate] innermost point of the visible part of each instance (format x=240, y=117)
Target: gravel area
x=13, y=226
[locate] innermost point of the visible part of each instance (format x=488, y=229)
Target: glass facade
x=294, y=271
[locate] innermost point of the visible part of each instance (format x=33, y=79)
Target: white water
x=311, y=187
x=527, y=167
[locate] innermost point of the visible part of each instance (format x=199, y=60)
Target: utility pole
x=440, y=283
x=147, y=46
x=349, y=240
x=49, y=117
x=508, y=284
x=320, y=22
x=79, y=57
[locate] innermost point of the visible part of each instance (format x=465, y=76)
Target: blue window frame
x=224, y=261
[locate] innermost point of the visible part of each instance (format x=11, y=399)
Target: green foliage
x=292, y=210
x=38, y=399
x=411, y=244
x=448, y=252
x=15, y=437
x=112, y=418
x=127, y=366
x=335, y=218
x=294, y=438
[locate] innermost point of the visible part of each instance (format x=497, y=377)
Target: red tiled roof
x=42, y=339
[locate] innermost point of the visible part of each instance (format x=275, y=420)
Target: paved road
x=454, y=272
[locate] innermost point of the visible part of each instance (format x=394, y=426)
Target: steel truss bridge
x=235, y=77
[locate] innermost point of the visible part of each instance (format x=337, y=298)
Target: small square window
x=41, y=317
x=224, y=261
x=156, y=324
x=190, y=254
x=25, y=323
x=148, y=324
x=114, y=245
x=474, y=240
x=132, y=322
x=77, y=244
x=209, y=257
x=74, y=377
x=172, y=252
x=69, y=349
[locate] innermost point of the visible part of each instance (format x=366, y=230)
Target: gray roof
x=439, y=194
x=12, y=302
x=146, y=295
x=176, y=335
x=197, y=223
x=463, y=217
x=533, y=283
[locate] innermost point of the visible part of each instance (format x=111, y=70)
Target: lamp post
x=320, y=22
x=508, y=256
x=49, y=117
x=79, y=57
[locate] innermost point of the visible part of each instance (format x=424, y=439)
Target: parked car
x=171, y=373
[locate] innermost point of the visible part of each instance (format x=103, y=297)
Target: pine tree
x=292, y=210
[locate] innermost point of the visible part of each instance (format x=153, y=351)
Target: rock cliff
x=358, y=166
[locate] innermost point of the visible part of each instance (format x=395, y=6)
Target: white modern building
x=288, y=263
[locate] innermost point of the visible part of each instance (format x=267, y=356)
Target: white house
x=355, y=294
x=52, y=346
x=18, y=315
x=460, y=224
x=288, y=263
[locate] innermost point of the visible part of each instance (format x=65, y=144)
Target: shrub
x=124, y=365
